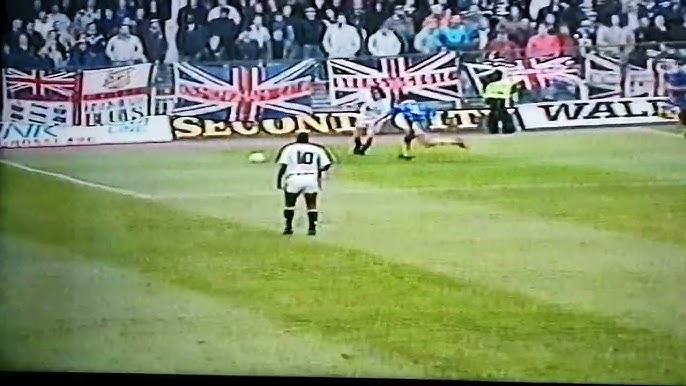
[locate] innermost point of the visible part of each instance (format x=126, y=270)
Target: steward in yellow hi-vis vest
x=499, y=95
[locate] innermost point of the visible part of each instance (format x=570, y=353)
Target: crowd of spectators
x=92, y=33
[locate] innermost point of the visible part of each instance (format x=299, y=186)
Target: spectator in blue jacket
x=459, y=36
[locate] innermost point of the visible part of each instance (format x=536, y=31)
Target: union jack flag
x=428, y=78
x=40, y=85
x=243, y=93
x=39, y=96
x=535, y=73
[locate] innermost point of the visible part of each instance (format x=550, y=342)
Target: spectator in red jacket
x=543, y=45
x=501, y=47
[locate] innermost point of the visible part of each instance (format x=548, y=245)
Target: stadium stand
x=97, y=33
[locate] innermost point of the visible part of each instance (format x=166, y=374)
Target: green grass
x=538, y=283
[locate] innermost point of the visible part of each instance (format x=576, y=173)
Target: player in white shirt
x=374, y=111
x=302, y=164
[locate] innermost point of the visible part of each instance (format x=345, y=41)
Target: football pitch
x=543, y=257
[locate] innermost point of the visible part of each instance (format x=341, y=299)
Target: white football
x=256, y=158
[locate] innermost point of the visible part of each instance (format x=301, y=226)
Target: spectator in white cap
x=124, y=47
x=341, y=40
x=384, y=42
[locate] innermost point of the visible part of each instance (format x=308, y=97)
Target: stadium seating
x=96, y=33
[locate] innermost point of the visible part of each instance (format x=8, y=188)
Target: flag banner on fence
x=39, y=96
x=537, y=74
x=608, y=77
x=597, y=77
x=243, y=93
x=116, y=94
x=432, y=78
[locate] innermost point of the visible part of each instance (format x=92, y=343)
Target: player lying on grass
x=301, y=166
x=419, y=119
x=374, y=111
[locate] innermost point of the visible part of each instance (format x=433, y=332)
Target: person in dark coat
x=192, y=39
x=227, y=30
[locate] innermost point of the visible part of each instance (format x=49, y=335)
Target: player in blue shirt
x=419, y=119
x=677, y=94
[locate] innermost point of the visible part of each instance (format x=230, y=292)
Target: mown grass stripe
x=652, y=208
x=452, y=328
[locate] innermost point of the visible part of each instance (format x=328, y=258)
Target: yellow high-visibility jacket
x=501, y=89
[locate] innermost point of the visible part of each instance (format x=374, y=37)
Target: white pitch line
x=472, y=188
x=78, y=181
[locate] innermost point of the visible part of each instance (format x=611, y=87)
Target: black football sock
x=288, y=214
x=312, y=215
x=368, y=144
x=408, y=145
x=358, y=143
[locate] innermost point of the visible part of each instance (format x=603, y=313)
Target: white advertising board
x=592, y=113
x=145, y=130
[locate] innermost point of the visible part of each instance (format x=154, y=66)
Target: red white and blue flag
x=39, y=96
x=537, y=74
x=433, y=78
x=239, y=93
